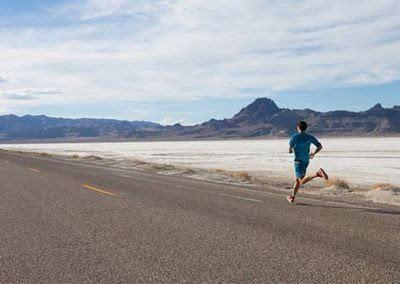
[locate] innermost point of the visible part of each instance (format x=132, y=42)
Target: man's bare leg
x=299, y=182
x=310, y=178
x=296, y=187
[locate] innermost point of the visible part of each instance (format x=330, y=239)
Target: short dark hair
x=302, y=125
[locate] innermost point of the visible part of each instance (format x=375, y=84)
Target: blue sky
x=191, y=60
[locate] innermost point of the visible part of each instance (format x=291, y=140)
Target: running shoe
x=323, y=174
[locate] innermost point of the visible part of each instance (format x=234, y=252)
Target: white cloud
x=95, y=9
x=113, y=50
x=29, y=94
x=12, y=99
x=169, y=120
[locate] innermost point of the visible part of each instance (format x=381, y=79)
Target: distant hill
x=262, y=118
x=13, y=127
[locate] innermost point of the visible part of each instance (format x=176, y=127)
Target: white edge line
x=240, y=197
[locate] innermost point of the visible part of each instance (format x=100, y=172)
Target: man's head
x=302, y=126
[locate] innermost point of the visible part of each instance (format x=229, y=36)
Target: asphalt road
x=70, y=222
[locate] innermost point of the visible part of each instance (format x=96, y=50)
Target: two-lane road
x=69, y=222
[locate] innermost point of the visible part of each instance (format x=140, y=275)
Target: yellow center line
x=98, y=189
x=34, y=170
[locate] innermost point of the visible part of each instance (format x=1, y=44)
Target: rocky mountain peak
x=376, y=110
x=377, y=107
x=260, y=109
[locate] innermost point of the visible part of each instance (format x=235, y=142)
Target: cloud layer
x=117, y=50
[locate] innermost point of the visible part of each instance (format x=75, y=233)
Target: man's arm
x=317, y=144
x=291, y=145
x=319, y=148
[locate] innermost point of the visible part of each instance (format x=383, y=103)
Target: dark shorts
x=300, y=168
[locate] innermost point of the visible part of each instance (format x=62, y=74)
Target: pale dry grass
x=337, y=182
x=220, y=171
x=239, y=175
x=189, y=171
x=93, y=158
x=383, y=186
x=163, y=167
x=242, y=175
x=45, y=155
x=138, y=162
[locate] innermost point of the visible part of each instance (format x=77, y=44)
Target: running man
x=300, y=144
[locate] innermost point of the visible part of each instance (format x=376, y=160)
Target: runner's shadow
x=368, y=210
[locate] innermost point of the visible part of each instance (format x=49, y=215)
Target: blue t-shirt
x=301, y=142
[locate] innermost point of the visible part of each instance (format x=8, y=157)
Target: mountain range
x=262, y=118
